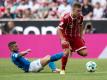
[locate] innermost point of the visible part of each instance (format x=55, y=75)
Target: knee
x=83, y=53
x=48, y=57
x=67, y=52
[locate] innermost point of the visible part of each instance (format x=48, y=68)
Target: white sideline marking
x=103, y=54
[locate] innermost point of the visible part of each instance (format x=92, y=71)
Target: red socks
x=64, y=62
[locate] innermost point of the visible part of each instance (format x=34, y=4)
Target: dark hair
x=78, y=5
x=11, y=43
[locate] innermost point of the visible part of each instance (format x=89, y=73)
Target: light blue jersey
x=20, y=61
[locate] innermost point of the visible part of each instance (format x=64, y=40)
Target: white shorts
x=35, y=66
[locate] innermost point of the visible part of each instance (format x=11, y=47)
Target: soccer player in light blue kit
x=34, y=66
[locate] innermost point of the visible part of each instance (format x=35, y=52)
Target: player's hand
x=25, y=52
x=65, y=44
x=28, y=50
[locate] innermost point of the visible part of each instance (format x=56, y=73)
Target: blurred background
x=51, y=9
x=38, y=20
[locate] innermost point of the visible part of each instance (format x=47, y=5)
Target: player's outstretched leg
x=83, y=52
x=44, y=61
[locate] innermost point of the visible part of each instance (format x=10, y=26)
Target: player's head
x=76, y=9
x=13, y=46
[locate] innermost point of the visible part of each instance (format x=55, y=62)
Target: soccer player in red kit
x=70, y=31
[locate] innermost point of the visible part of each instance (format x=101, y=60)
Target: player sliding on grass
x=70, y=31
x=34, y=66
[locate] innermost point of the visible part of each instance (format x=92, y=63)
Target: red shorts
x=76, y=43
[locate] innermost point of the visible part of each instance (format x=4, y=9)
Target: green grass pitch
x=75, y=70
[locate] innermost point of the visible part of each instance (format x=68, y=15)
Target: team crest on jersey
x=79, y=21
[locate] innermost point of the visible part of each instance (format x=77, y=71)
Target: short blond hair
x=78, y=5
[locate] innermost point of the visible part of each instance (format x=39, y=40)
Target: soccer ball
x=91, y=66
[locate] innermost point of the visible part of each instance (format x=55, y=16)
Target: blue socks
x=52, y=66
x=56, y=57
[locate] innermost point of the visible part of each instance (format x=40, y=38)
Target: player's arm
x=64, y=42
x=23, y=53
x=61, y=33
x=61, y=29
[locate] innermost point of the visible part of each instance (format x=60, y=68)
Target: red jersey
x=70, y=25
